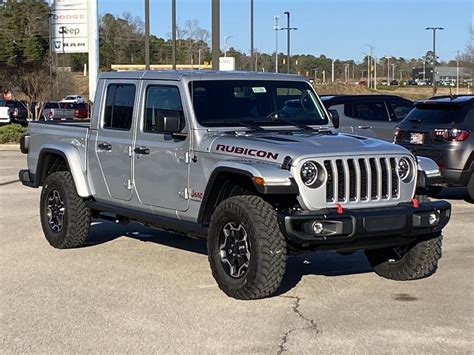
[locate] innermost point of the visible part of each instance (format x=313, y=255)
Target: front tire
x=247, y=251
x=65, y=219
x=409, y=262
x=470, y=187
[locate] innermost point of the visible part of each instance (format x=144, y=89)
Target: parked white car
x=74, y=99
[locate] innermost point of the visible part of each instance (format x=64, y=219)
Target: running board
x=166, y=223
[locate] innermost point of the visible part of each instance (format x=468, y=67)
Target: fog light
x=318, y=228
x=433, y=219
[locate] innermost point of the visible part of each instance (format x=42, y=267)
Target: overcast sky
x=336, y=28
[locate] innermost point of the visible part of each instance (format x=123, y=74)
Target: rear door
x=371, y=119
x=114, y=140
x=161, y=160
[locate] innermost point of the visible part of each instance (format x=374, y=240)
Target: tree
x=24, y=61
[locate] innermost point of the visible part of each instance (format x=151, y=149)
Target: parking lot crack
x=310, y=324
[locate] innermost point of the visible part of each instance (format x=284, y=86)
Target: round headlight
x=309, y=173
x=404, y=169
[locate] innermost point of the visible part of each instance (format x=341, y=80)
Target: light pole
x=199, y=58
x=457, y=74
x=288, y=29
x=147, y=34
x=372, y=48
x=216, y=25
x=434, y=29
x=388, y=69
x=173, y=34
x=226, y=38
x=393, y=70
x=251, y=37
x=424, y=70
x=277, y=29
x=332, y=71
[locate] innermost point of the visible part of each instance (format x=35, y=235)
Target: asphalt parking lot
x=134, y=289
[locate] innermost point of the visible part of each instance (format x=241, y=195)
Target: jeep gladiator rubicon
x=251, y=161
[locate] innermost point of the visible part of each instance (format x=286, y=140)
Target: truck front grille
x=365, y=179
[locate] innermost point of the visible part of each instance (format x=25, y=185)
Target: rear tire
x=64, y=216
x=247, y=251
x=414, y=261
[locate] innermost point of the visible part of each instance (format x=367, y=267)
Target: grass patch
x=11, y=133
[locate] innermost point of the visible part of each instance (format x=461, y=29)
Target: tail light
x=77, y=113
x=50, y=114
x=15, y=112
x=396, y=133
x=451, y=135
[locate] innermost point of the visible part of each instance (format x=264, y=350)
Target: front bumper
x=365, y=228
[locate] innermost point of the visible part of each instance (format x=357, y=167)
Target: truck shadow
x=454, y=193
x=104, y=232
x=319, y=264
x=328, y=264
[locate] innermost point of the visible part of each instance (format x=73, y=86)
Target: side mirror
x=171, y=121
x=334, y=118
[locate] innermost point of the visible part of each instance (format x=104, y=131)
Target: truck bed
x=70, y=135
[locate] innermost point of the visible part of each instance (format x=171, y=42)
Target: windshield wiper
x=252, y=126
x=300, y=125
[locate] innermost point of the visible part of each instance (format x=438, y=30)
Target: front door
x=114, y=139
x=372, y=120
x=161, y=160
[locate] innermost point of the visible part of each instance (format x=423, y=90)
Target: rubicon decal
x=246, y=151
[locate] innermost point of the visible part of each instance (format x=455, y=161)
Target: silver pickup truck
x=250, y=161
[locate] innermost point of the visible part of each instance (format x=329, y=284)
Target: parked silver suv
x=373, y=116
x=250, y=161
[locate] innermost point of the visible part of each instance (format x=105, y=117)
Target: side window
x=160, y=102
x=400, y=108
x=119, y=106
x=371, y=111
x=348, y=110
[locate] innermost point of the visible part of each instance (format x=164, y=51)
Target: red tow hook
x=415, y=203
x=339, y=208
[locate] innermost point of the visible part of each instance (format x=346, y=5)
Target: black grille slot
x=352, y=180
x=330, y=181
x=384, y=178
x=363, y=180
x=373, y=175
x=393, y=168
x=341, y=186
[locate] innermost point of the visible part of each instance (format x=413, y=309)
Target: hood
x=275, y=146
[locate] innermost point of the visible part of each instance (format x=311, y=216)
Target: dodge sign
x=69, y=26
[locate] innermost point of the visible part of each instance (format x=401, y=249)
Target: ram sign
x=69, y=26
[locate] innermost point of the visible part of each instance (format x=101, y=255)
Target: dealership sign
x=69, y=26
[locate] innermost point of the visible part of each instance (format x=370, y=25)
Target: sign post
x=93, y=31
x=74, y=29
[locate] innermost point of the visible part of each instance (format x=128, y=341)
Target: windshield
x=432, y=113
x=263, y=103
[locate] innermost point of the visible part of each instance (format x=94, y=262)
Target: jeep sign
x=69, y=26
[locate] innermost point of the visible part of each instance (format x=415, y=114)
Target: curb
x=9, y=147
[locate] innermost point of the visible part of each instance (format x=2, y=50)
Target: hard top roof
x=351, y=98
x=178, y=75
x=460, y=99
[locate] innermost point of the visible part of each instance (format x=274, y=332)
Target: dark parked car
x=369, y=115
x=442, y=128
x=18, y=112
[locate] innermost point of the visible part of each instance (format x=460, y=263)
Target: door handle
x=104, y=146
x=364, y=127
x=142, y=150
